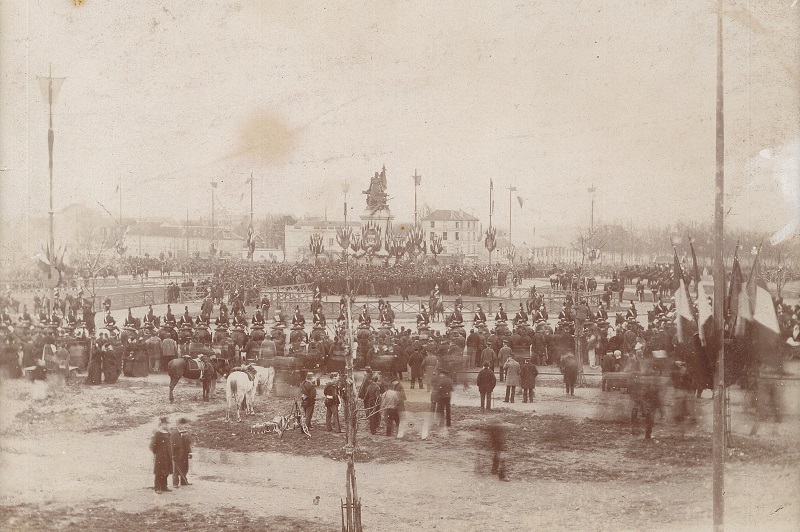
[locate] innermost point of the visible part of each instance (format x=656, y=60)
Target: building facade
x=460, y=232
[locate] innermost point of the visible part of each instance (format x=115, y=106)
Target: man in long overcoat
x=161, y=448
x=486, y=383
x=181, y=443
x=511, y=368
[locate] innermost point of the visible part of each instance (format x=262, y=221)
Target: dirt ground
x=76, y=457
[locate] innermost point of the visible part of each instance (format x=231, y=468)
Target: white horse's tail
x=231, y=395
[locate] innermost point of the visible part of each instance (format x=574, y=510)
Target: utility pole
x=187, y=233
x=50, y=88
x=213, y=241
x=592, y=190
x=719, y=295
x=417, y=180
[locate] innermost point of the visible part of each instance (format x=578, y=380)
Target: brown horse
x=181, y=367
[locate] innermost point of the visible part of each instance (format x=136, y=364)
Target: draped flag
x=684, y=315
x=734, y=295
x=520, y=200
x=251, y=242
x=696, y=269
x=757, y=309
x=705, y=313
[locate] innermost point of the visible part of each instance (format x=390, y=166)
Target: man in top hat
x=169, y=317
x=181, y=443
x=521, y=316
x=660, y=309
x=298, y=318
x=501, y=314
x=186, y=318
x=486, y=382
x=527, y=379
x=564, y=315
x=319, y=318
x=162, y=453
x=258, y=318
x=308, y=396
x=480, y=315
x=631, y=313
x=363, y=317
x=423, y=319
x=130, y=321
x=110, y=322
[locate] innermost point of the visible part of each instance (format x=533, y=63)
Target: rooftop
x=446, y=215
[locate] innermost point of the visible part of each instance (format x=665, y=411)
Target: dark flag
x=696, y=269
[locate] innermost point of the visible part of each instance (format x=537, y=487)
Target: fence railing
x=291, y=293
x=17, y=286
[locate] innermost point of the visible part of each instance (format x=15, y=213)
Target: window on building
x=433, y=224
x=456, y=234
x=444, y=235
x=456, y=225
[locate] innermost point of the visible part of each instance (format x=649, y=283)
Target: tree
x=436, y=246
x=95, y=246
x=588, y=243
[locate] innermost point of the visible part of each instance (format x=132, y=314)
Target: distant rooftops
x=441, y=215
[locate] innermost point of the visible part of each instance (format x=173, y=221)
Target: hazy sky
x=549, y=96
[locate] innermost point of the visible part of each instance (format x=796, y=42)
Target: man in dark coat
x=527, y=379
x=445, y=390
x=181, y=443
x=372, y=399
x=162, y=452
x=486, y=383
x=331, y=393
x=415, y=362
x=308, y=395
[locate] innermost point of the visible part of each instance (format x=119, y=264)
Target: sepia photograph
x=400, y=265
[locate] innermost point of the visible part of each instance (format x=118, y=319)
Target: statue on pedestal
x=376, y=194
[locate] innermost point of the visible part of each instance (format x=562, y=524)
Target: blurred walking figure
x=569, y=368
x=486, y=383
x=162, y=453
x=646, y=396
x=768, y=388
x=684, y=387
x=496, y=440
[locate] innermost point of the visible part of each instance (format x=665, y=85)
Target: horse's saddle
x=196, y=364
x=247, y=370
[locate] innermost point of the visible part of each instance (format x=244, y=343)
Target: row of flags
x=748, y=308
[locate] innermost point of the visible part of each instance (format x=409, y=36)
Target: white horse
x=240, y=390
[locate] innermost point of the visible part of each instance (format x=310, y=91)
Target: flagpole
x=719, y=295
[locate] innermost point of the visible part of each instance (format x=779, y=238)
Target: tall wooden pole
x=719, y=295
x=416, y=184
x=351, y=412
